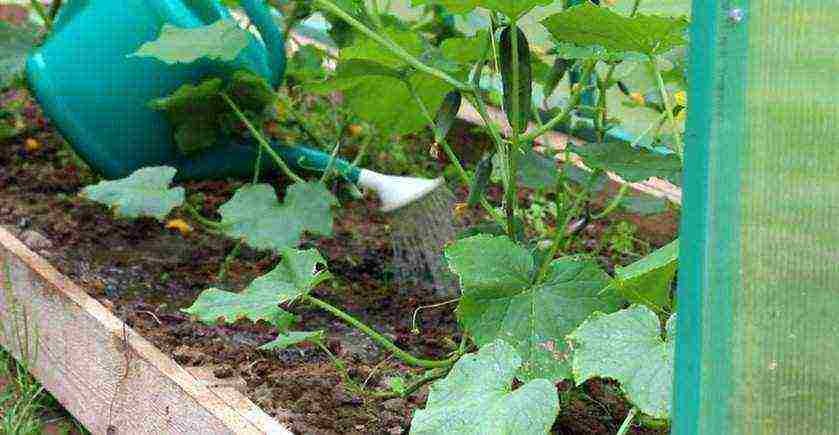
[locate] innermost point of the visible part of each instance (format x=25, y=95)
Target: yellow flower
x=681, y=98
x=637, y=98
x=354, y=130
x=32, y=145
x=460, y=208
x=180, y=225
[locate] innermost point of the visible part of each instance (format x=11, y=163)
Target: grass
x=26, y=408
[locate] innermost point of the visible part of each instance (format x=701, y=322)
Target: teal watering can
x=98, y=97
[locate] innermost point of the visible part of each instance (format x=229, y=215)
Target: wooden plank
x=104, y=373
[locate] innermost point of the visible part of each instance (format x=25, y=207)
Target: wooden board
x=110, y=378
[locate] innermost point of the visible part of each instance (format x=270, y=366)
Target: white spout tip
x=397, y=192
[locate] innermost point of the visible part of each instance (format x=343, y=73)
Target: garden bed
x=145, y=274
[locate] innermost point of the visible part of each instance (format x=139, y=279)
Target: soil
x=146, y=274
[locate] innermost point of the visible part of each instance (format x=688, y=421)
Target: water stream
x=419, y=232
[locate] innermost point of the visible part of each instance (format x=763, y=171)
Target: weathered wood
x=110, y=378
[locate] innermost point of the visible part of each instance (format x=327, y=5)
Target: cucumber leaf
x=145, y=193
x=256, y=216
x=632, y=164
x=215, y=305
x=222, y=40
x=589, y=24
x=627, y=346
x=296, y=274
x=476, y=398
x=499, y=300
x=647, y=281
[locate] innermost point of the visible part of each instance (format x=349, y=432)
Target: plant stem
x=362, y=152
x=54, y=8
x=613, y=204
x=394, y=48
x=561, y=229
x=301, y=120
x=326, y=172
x=572, y=104
x=668, y=108
x=379, y=338
x=650, y=128
x=39, y=8
x=429, y=376
x=257, y=167
x=262, y=141
x=635, y=8
x=228, y=259
x=627, y=422
x=201, y=219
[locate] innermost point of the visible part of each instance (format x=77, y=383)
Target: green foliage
x=306, y=65
x=632, y=164
x=15, y=44
x=296, y=275
x=627, y=346
x=222, y=40
x=500, y=300
x=589, y=24
x=255, y=216
x=647, y=281
x=476, y=398
x=365, y=70
x=145, y=193
x=533, y=170
x=202, y=118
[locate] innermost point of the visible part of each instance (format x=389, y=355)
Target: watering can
x=98, y=97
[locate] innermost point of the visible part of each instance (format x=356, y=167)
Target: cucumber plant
x=531, y=310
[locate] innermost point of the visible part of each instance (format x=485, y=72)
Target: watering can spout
x=260, y=15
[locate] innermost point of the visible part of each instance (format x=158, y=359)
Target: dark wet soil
x=146, y=273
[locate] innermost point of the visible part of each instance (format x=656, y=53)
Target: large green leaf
x=215, y=305
x=222, y=40
x=145, y=193
x=15, y=44
x=452, y=6
x=367, y=49
x=476, y=398
x=588, y=24
x=296, y=275
x=647, y=281
x=627, y=346
x=533, y=170
x=511, y=8
x=255, y=215
x=632, y=164
x=500, y=301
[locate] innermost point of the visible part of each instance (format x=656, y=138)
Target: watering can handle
x=260, y=15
